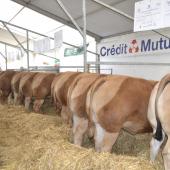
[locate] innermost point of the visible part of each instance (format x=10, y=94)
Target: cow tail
x=165, y=80
x=71, y=88
x=93, y=89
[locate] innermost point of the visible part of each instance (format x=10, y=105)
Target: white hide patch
x=75, y=122
x=99, y=133
x=155, y=146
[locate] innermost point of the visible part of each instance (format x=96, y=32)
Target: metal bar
x=97, y=61
x=14, y=37
x=2, y=55
x=128, y=63
x=27, y=35
x=114, y=9
x=6, y=54
x=84, y=36
x=11, y=45
x=43, y=35
x=69, y=16
x=99, y=9
x=16, y=14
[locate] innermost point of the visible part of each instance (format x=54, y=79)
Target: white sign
x=151, y=14
x=58, y=39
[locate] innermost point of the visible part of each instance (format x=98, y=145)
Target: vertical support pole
x=6, y=59
x=28, y=65
x=97, y=60
x=84, y=36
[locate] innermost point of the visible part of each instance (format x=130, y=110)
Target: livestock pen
x=32, y=141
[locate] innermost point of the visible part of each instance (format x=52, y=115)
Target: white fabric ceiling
x=101, y=22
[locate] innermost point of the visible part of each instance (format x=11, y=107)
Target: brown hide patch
x=129, y=103
x=16, y=81
x=61, y=86
x=25, y=84
x=5, y=82
x=79, y=93
x=41, y=86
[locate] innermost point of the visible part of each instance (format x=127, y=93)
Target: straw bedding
x=30, y=141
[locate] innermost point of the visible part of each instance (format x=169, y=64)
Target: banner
x=134, y=44
x=58, y=39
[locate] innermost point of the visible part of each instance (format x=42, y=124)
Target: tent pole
x=84, y=36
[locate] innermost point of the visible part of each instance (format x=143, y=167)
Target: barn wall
x=149, y=47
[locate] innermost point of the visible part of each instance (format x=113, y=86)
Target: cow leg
x=166, y=154
x=37, y=104
x=80, y=126
x=10, y=99
x=66, y=115
x=27, y=103
x=104, y=140
x=16, y=98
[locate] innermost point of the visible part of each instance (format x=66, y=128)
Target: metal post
x=6, y=55
x=27, y=50
x=84, y=36
x=97, y=60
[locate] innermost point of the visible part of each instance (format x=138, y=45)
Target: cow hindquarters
x=80, y=126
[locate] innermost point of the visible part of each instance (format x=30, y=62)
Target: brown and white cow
x=159, y=117
x=15, y=87
x=77, y=104
x=60, y=92
x=5, y=85
x=119, y=102
x=41, y=88
x=25, y=90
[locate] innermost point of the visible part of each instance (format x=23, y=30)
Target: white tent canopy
x=101, y=21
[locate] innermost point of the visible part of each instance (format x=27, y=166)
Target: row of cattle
x=99, y=105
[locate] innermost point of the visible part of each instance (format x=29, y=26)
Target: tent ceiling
x=7, y=38
x=101, y=22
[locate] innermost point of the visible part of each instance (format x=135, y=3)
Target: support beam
x=6, y=54
x=98, y=10
x=59, y=2
x=114, y=9
x=28, y=65
x=84, y=36
x=129, y=63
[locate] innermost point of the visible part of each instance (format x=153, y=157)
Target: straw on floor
x=31, y=141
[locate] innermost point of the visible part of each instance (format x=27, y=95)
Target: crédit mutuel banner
x=134, y=45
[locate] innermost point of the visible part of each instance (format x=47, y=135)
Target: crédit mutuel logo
x=135, y=46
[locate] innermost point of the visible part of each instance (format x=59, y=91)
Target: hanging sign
x=42, y=45
x=58, y=39
x=73, y=51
